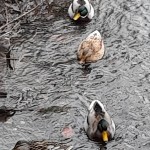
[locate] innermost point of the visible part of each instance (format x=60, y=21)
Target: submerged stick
x=10, y=58
x=49, y=6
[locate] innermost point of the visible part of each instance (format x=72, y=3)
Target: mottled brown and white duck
x=91, y=49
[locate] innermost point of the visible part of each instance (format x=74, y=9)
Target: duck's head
x=22, y=145
x=81, y=12
x=102, y=127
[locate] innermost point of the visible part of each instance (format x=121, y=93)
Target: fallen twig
x=19, y=17
x=11, y=30
x=48, y=5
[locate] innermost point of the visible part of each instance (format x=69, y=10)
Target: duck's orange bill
x=105, y=136
x=76, y=16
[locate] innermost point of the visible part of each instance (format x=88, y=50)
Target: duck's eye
x=83, y=11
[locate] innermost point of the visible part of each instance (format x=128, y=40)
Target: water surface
x=55, y=91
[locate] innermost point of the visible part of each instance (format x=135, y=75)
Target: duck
x=91, y=49
x=81, y=10
x=40, y=145
x=98, y=124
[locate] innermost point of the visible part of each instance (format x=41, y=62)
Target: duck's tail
x=95, y=34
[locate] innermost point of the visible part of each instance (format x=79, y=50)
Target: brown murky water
x=55, y=91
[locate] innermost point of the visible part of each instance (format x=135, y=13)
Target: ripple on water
x=47, y=77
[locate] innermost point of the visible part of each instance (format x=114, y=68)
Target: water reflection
x=6, y=113
x=3, y=94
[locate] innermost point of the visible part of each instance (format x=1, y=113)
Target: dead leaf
x=67, y=132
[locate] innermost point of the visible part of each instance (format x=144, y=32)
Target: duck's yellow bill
x=77, y=16
x=105, y=136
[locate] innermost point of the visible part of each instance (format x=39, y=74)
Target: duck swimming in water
x=81, y=9
x=91, y=49
x=40, y=145
x=98, y=124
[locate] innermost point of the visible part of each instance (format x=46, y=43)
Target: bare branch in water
x=49, y=6
x=21, y=16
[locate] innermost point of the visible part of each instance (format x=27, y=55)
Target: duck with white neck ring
x=81, y=10
x=98, y=124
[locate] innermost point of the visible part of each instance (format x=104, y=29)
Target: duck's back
x=96, y=35
x=40, y=145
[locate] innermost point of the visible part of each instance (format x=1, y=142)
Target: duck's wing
x=70, y=11
x=50, y=145
x=40, y=145
x=113, y=128
x=91, y=13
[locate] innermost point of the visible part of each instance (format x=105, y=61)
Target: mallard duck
x=81, y=9
x=98, y=124
x=91, y=49
x=40, y=145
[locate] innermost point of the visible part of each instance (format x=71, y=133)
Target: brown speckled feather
x=40, y=145
x=91, y=49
